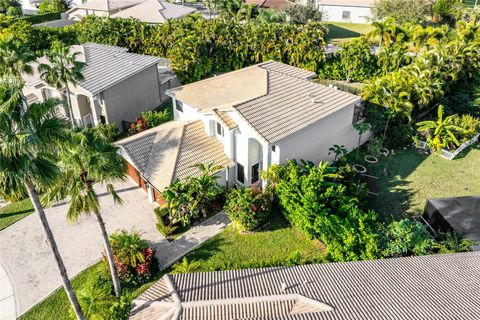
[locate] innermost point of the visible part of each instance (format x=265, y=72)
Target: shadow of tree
x=337, y=32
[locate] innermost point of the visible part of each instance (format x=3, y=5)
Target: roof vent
x=284, y=286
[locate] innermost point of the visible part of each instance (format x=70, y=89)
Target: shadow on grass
x=465, y=152
x=337, y=32
x=12, y=214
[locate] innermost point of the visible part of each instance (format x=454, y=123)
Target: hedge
x=43, y=17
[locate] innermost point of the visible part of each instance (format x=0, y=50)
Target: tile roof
x=154, y=11
x=225, y=119
x=109, y=65
x=278, y=5
x=169, y=152
x=105, y=66
x=101, y=5
x=276, y=99
x=348, y=3
x=436, y=287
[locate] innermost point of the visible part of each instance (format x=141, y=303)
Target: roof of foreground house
x=155, y=11
x=170, y=151
x=105, y=5
x=429, y=287
x=105, y=66
x=276, y=99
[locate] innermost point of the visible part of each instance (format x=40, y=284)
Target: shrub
x=315, y=200
x=135, y=261
x=41, y=17
x=149, y=120
x=248, y=208
x=408, y=237
x=452, y=242
x=120, y=310
x=470, y=126
x=164, y=224
x=107, y=131
x=186, y=266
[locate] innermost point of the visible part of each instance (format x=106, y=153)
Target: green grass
x=408, y=178
x=15, y=212
x=342, y=31
x=470, y=3
x=274, y=246
x=57, y=306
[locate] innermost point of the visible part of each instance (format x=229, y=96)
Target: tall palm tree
x=15, y=59
x=28, y=139
x=87, y=159
x=64, y=69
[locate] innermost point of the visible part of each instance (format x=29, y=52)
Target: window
x=274, y=148
x=255, y=172
x=219, y=129
x=358, y=113
x=240, y=173
x=179, y=105
x=346, y=15
x=103, y=120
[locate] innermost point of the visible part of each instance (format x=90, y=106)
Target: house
x=149, y=11
x=117, y=87
x=357, y=11
x=415, y=288
x=258, y=116
x=277, y=5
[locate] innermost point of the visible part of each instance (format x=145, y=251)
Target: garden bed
x=450, y=154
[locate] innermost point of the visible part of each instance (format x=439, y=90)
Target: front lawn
x=278, y=245
x=407, y=178
x=57, y=306
x=15, y=212
x=342, y=31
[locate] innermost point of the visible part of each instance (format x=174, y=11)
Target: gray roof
x=169, y=152
x=290, y=105
x=429, y=287
x=109, y=65
x=276, y=99
x=155, y=11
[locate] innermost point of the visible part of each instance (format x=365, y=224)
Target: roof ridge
x=182, y=139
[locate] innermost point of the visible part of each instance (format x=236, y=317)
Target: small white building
x=356, y=11
x=257, y=116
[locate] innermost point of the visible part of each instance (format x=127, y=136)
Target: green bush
x=164, y=224
x=408, y=237
x=109, y=132
x=470, y=126
x=315, y=200
x=248, y=208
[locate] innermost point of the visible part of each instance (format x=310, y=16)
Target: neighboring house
x=414, y=288
x=277, y=5
x=357, y=11
x=117, y=87
x=149, y=11
x=260, y=115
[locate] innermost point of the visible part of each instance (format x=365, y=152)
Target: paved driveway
x=32, y=268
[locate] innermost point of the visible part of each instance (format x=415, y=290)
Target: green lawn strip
x=57, y=306
x=232, y=250
x=341, y=31
x=407, y=178
x=15, y=212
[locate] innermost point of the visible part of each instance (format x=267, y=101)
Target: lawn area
x=15, y=212
x=342, y=31
x=57, y=306
x=277, y=245
x=412, y=177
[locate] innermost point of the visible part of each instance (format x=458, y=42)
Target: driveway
x=31, y=266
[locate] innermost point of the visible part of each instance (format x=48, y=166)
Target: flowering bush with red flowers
x=149, y=120
x=135, y=260
x=248, y=208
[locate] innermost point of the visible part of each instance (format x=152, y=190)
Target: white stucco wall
x=313, y=142
x=189, y=113
x=335, y=13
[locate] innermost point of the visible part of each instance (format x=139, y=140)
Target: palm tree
x=128, y=247
x=266, y=16
x=441, y=133
x=383, y=30
x=15, y=59
x=88, y=159
x=247, y=12
x=63, y=69
x=28, y=139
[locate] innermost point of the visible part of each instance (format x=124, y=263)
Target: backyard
x=408, y=177
x=342, y=31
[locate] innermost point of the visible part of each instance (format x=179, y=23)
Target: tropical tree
x=247, y=12
x=300, y=14
x=15, y=59
x=28, y=142
x=362, y=128
x=441, y=133
x=403, y=11
x=186, y=266
x=382, y=31
x=354, y=55
x=128, y=247
x=269, y=16
x=88, y=159
x=64, y=69
x=228, y=8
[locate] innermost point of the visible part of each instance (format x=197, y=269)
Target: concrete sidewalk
x=7, y=296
